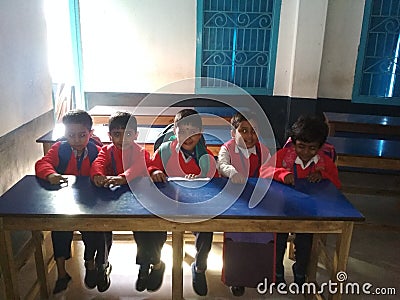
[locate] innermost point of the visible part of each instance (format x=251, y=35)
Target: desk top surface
x=362, y=119
x=309, y=201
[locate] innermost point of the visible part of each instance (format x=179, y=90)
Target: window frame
x=356, y=97
x=268, y=90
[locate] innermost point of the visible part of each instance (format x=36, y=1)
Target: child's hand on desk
x=114, y=181
x=238, y=178
x=289, y=179
x=56, y=178
x=315, y=176
x=191, y=176
x=99, y=180
x=158, y=176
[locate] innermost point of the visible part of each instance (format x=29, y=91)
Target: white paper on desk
x=188, y=179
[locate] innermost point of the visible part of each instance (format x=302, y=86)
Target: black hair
x=188, y=116
x=309, y=129
x=237, y=118
x=122, y=120
x=78, y=116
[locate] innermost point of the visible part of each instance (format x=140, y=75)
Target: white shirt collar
x=246, y=152
x=314, y=160
x=85, y=151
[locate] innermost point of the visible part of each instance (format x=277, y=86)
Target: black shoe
x=90, y=278
x=199, y=281
x=103, y=277
x=61, y=284
x=237, y=290
x=143, y=276
x=155, y=279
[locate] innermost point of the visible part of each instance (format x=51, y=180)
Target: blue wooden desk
x=34, y=204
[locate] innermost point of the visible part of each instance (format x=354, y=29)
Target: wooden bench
x=161, y=115
x=366, y=124
x=367, y=153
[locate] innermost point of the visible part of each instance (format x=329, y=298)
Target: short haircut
x=122, y=120
x=188, y=117
x=309, y=129
x=237, y=118
x=78, y=116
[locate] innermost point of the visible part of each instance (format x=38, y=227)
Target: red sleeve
x=331, y=172
x=273, y=168
x=141, y=161
x=100, y=163
x=213, y=172
x=155, y=163
x=48, y=163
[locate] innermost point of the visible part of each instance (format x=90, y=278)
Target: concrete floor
x=373, y=254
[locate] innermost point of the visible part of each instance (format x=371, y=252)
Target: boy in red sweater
x=74, y=157
x=188, y=157
x=117, y=164
x=303, y=160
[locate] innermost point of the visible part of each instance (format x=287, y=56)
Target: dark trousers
x=303, y=244
x=203, y=247
x=149, y=245
x=97, y=245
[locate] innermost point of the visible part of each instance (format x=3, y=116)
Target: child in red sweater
x=188, y=157
x=241, y=158
x=302, y=160
x=80, y=149
x=117, y=164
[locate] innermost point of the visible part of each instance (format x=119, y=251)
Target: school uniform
x=111, y=161
x=180, y=164
x=233, y=159
x=96, y=243
x=287, y=162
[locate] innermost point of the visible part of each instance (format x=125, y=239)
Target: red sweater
x=285, y=159
x=130, y=163
x=48, y=164
x=241, y=164
x=177, y=166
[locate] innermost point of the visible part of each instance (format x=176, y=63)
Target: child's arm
x=156, y=168
x=226, y=169
x=141, y=162
x=274, y=169
x=45, y=168
x=331, y=172
x=98, y=168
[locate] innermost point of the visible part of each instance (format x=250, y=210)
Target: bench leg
x=41, y=266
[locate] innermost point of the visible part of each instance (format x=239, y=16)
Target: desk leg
x=7, y=264
x=341, y=255
x=313, y=263
x=177, y=271
x=41, y=267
